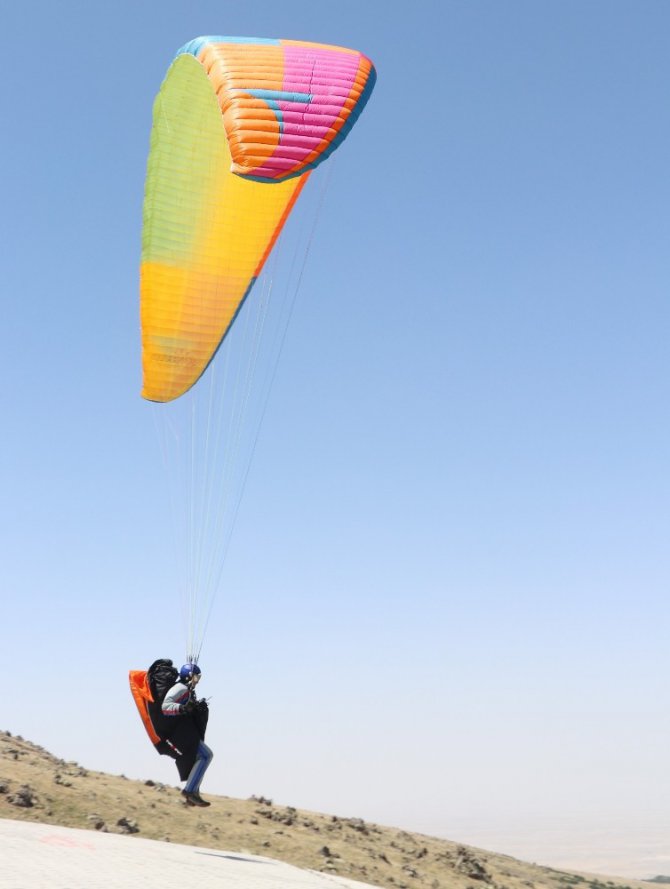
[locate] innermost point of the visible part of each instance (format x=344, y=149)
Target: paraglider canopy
x=238, y=125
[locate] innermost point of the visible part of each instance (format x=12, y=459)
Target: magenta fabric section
x=328, y=76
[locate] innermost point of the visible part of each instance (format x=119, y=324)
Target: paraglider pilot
x=182, y=705
x=175, y=720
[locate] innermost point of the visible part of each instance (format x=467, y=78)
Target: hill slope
x=36, y=786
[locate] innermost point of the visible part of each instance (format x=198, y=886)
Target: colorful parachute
x=239, y=123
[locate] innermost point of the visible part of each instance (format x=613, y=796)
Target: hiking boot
x=194, y=799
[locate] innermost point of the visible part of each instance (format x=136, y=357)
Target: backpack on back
x=162, y=675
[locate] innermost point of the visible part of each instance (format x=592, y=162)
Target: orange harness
x=139, y=687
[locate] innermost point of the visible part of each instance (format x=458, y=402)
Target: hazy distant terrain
x=37, y=786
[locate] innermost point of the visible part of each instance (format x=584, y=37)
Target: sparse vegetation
x=36, y=786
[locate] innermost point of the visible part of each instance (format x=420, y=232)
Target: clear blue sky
x=449, y=581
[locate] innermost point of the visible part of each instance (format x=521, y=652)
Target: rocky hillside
x=36, y=786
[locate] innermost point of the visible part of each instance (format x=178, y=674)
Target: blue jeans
x=200, y=766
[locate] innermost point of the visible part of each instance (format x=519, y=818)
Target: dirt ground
x=36, y=786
